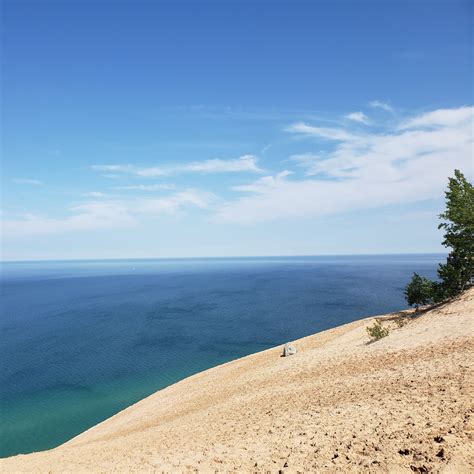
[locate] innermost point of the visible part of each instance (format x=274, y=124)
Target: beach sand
x=403, y=403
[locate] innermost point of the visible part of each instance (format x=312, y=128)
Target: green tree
x=458, y=224
x=458, y=271
x=419, y=291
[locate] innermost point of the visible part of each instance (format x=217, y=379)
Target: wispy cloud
x=146, y=187
x=306, y=160
x=264, y=183
x=111, y=176
x=104, y=215
x=246, y=163
x=377, y=104
x=35, y=182
x=405, y=164
x=439, y=118
x=322, y=132
x=358, y=117
x=95, y=194
x=407, y=161
x=108, y=214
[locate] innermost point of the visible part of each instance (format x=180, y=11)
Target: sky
x=231, y=128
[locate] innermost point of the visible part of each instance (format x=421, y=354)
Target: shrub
x=377, y=331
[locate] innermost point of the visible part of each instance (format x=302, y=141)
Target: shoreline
x=331, y=406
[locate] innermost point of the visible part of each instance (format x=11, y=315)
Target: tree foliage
x=458, y=271
x=458, y=224
x=419, y=291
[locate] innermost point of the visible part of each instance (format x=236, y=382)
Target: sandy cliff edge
x=403, y=403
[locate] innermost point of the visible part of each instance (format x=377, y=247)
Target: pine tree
x=419, y=291
x=458, y=271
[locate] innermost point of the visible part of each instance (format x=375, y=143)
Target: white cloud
x=34, y=182
x=408, y=162
x=322, y=132
x=440, y=118
x=246, y=163
x=108, y=214
x=95, y=194
x=146, y=187
x=358, y=117
x=364, y=172
x=99, y=215
x=113, y=170
x=111, y=176
x=306, y=160
x=264, y=183
x=377, y=104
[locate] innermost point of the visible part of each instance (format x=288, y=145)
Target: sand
x=401, y=404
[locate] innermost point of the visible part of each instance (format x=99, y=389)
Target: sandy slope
x=402, y=403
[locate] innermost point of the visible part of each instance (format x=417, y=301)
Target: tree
x=455, y=275
x=458, y=270
x=419, y=291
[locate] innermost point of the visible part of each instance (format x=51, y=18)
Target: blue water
x=82, y=340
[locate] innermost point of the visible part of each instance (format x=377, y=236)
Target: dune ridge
x=403, y=403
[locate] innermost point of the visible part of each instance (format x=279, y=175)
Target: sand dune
x=403, y=403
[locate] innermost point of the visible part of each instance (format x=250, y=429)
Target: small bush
x=377, y=331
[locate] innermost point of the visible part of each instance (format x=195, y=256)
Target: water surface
x=81, y=340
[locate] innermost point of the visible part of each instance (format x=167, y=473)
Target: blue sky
x=206, y=128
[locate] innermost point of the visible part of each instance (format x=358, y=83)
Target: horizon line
x=222, y=257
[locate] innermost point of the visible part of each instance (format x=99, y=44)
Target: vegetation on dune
x=419, y=291
x=458, y=272
x=377, y=331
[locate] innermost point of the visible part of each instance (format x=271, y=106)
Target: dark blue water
x=82, y=340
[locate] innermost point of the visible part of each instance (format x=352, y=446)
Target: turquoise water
x=82, y=340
